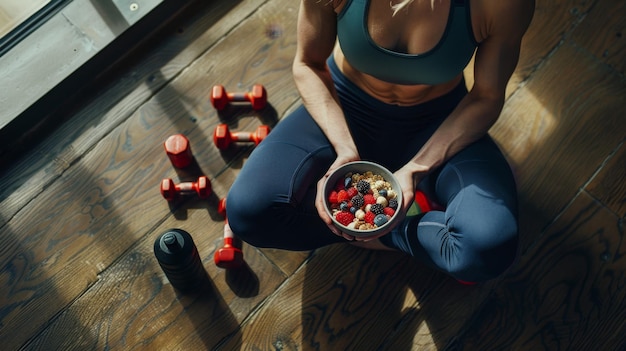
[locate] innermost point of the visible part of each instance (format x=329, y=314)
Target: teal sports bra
x=439, y=65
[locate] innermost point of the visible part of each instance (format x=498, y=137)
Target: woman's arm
x=317, y=31
x=495, y=61
x=317, y=23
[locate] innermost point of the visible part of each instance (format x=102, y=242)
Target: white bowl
x=362, y=167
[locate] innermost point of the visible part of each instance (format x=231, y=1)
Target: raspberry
x=363, y=186
x=352, y=192
x=377, y=209
x=332, y=198
x=393, y=203
x=358, y=201
x=389, y=211
x=369, y=199
x=369, y=217
x=344, y=217
x=342, y=196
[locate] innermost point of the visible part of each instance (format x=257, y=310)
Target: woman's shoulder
x=499, y=17
x=335, y=5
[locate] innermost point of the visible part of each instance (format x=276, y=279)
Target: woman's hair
x=404, y=3
x=395, y=8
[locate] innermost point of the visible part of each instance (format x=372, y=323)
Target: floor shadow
x=37, y=298
x=357, y=302
x=211, y=315
x=24, y=270
x=571, y=280
x=21, y=315
x=233, y=113
x=236, y=153
x=180, y=207
x=111, y=15
x=243, y=281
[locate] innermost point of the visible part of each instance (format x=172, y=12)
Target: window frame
x=30, y=97
x=36, y=20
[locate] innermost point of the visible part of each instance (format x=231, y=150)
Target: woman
x=383, y=82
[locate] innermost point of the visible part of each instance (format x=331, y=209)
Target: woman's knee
x=486, y=255
x=245, y=214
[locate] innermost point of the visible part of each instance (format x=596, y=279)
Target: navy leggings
x=271, y=203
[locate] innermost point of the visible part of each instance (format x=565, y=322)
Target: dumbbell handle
x=239, y=96
x=186, y=188
x=222, y=137
x=221, y=207
x=170, y=190
x=220, y=98
x=244, y=136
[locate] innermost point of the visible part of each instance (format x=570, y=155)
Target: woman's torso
x=414, y=30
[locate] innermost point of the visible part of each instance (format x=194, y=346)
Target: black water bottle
x=178, y=257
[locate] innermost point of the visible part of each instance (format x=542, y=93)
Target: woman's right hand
x=320, y=198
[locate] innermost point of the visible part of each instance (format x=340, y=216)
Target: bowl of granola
x=362, y=198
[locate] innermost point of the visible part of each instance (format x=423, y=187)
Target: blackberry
x=363, y=186
x=358, y=201
x=393, y=203
x=377, y=209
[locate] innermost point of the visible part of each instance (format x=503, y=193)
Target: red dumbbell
x=229, y=256
x=222, y=137
x=178, y=149
x=171, y=191
x=257, y=97
x=221, y=207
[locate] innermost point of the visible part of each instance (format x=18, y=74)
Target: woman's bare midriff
x=395, y=94
x=415, y=31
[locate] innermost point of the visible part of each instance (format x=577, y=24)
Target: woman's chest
x=417, y=28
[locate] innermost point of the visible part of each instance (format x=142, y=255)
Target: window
x=50, y=48
x=20, y=17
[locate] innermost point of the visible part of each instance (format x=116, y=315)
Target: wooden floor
x=80, y=211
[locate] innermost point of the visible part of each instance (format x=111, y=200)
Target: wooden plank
x=602, y=32
x=133, y=306
x=608, y=185
x=552, y=21
x=287, y=261
x=436, y=319
x=568, y=293
x=109, y=198
x=113, y=100
x=549, y=130
x=343, y=298
x=352, y=299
